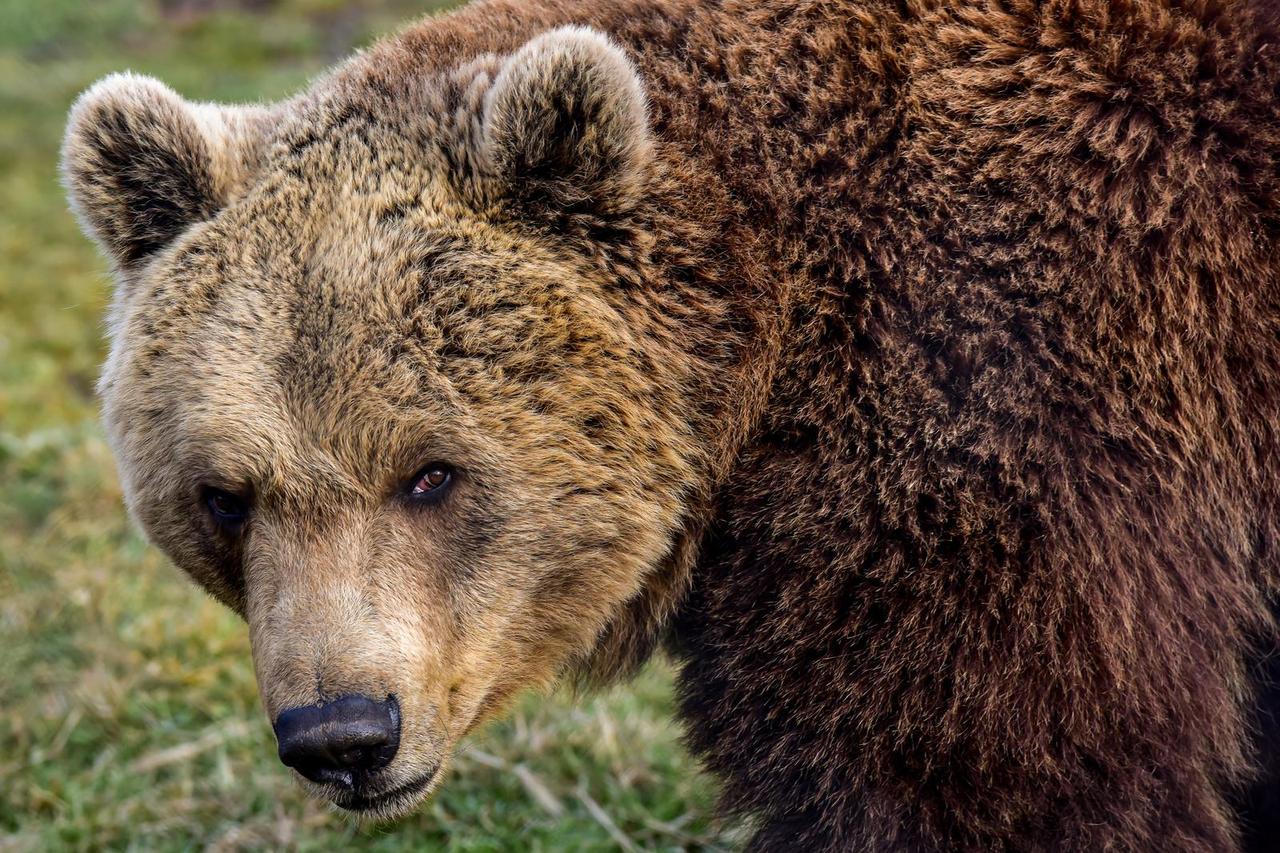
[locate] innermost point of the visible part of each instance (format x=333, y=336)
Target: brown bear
x=910, y=370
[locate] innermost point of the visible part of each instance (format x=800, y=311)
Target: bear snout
x=341, y=742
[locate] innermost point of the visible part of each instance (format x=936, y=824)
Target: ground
x=128, y=713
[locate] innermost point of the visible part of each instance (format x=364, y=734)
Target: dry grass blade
x=186, y=751
x=602, y=817
x=534, y=786
x=539, y=791
x=675, y=830
x=479, y=756
x=17, y=844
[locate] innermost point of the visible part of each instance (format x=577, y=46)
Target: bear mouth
x=391, y=801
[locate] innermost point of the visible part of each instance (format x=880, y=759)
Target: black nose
x=341, y=741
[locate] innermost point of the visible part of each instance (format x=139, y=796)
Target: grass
x=128, y=713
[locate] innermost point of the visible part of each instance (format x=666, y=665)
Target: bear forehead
x=363, y=135
x=345, y=310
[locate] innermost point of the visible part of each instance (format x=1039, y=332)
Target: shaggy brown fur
x=912, y=368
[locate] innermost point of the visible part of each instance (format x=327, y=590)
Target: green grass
x=128, y=713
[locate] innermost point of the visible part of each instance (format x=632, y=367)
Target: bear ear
x=565, y=125
x=141, y=165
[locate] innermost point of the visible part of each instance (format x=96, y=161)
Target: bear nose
x=339, y=742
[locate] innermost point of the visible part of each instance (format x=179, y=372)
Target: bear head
x=383, y=380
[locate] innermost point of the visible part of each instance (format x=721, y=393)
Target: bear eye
x=431, y=481
x=229, y=511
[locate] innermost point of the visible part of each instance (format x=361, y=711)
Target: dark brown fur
x=980, y=309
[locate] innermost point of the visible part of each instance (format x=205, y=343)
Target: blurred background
x=129, y=717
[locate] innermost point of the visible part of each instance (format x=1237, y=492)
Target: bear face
x=365, y=389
